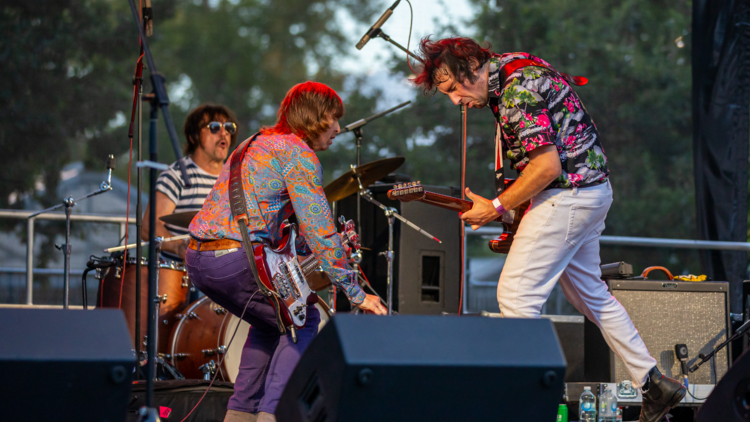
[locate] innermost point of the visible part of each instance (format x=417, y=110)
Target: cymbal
x=369, y=173
x=179, y=219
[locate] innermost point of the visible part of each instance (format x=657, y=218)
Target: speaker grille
x=665, y=318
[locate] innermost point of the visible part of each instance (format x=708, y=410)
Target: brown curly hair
x=199, y=117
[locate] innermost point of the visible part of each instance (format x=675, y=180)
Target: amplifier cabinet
x=666, y=313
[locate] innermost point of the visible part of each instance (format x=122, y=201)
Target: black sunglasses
x=215, y=127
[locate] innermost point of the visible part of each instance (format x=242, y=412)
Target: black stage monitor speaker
x=64, y=365
x=427, y=368
x=730, y=399
x=666, y=313
x=426, y=273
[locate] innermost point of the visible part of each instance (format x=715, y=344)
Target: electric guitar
x=414, y=191
x=284, y=273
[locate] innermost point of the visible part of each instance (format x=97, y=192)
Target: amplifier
x=426, y=273
x=666, y=313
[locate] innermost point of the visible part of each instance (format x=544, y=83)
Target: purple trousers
x=268, y=358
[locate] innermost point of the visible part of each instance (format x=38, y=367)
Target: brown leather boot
x=663, y=393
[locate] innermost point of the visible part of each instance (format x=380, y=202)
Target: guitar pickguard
x=288, y=280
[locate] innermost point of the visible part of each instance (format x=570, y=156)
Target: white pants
x=558, y=239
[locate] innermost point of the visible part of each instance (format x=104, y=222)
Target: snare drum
x=174, y=290
x=201, y=337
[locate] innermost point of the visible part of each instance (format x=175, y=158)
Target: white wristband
x=498, y=206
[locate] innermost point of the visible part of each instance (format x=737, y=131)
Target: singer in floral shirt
x=535, y=106
x=550, y=138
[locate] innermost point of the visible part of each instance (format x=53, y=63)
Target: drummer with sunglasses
x=211, y=132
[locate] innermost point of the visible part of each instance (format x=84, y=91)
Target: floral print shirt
x=286, y=178
x=537, y=107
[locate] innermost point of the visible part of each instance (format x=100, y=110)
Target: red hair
x=307, y=111
x=453, y=53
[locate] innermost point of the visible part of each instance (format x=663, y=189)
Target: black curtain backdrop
x=721, y=130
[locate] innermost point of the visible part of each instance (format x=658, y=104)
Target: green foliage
x=60, y=68
x=66, y=69
x=639, y=94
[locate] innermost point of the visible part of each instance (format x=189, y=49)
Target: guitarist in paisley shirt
x=550, y=138
x=281, y=177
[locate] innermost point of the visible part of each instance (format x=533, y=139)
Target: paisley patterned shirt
x=285, y=177
x=537, y=107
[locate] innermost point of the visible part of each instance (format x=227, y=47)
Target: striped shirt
x=186, y=199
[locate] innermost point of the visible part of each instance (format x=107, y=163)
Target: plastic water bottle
x=607, y=406
x=587, y=409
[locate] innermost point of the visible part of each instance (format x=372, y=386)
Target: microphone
x=373, y=31
x=681, y=351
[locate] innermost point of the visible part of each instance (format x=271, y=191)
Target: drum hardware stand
x=392, y=215
x=356, y=127
x=68, y=203
x=208, y=369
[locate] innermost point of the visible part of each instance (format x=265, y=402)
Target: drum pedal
x=208, y=370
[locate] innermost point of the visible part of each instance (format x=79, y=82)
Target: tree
x=636, y=56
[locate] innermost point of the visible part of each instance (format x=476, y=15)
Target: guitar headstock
x=406, y=192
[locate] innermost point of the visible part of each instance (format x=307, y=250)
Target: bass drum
x=201, y=337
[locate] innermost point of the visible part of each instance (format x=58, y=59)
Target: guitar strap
x=507, y=70
x=238, y=206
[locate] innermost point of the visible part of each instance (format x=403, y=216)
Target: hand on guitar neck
x=481, y=213
x=477, y=217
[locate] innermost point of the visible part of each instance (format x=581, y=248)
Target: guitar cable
x=221, y=361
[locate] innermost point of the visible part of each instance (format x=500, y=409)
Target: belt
x=214, y=245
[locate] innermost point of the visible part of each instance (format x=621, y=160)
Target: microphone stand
x=138, y=109
x=68, y=203
x=462, y=230
x=356, y=127
x=158, y=99
x=705, y=358
x=379, y=33
x=391, y=214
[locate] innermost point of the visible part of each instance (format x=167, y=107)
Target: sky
x=428, y=15
x=371, y=60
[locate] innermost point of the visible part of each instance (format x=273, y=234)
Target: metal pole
x=358, y=135
x=138, y=228
x=389, y=257
x=462, y=179
x=122, y=230
x=151, y=346
x=30, y=261
x=465, y=289
x=66, y=250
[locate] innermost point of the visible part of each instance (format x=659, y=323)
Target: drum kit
x=193, y=337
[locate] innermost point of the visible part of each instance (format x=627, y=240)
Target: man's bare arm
x=164, y=206
x=544, y=167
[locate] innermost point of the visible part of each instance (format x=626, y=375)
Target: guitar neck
x=447, y=202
